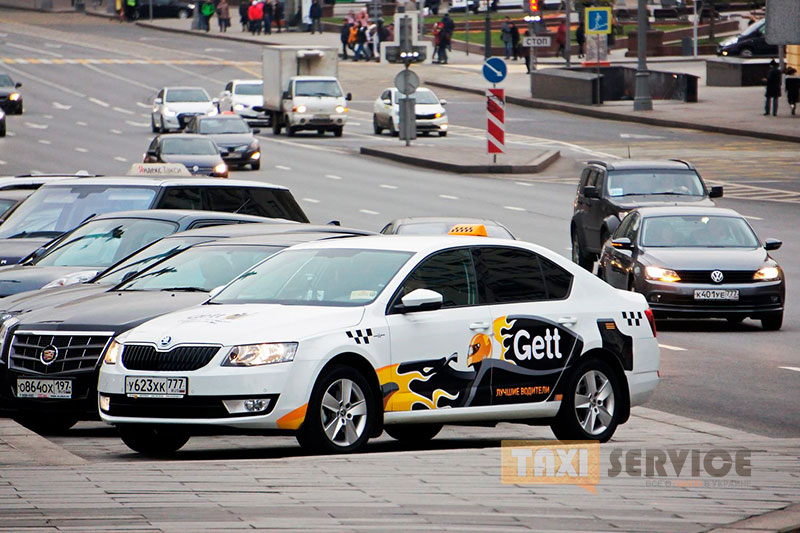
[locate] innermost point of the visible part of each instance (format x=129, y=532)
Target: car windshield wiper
x=33, y=234
x=186, y=289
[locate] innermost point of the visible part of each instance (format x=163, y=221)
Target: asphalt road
x=88, y=83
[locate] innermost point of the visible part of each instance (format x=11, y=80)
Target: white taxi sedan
x=336, y=341
x=430, y=113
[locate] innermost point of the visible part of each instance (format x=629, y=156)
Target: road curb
x=610, y=115
x=539, y=164
x=786, y=520
x=208, y=34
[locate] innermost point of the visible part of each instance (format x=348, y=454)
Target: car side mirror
x=420, y=300
x=17, y=85
x=158, y=101
x=443, y=102
x=715, y=192
x=256, y=131
x=622, y=243
x=215, y=291
x=590, y=191
x=349, y=96
x=772, y=244
x=285, y=95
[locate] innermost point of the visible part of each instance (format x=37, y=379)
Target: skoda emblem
x=49, y=354
x=717, y=276
x=166, y=340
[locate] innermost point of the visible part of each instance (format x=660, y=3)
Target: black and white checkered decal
x=633, y=318
x=360, y=336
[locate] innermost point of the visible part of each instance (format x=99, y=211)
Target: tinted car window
x=558, y=280
x=227, y=199
x=450, y=273
x=509, y=275
x=249, y=89
x=271, y=203
x=181, y=198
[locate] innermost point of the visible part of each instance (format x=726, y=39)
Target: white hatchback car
x=337, y=340
x=174, y=106
x=430, y=112
x=240, y=96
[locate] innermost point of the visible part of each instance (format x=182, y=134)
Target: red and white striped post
x=495, y=122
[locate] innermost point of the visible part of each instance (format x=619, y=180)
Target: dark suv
x=609, y=189
x=751, y=42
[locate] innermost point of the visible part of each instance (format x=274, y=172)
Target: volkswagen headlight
x=261, y=354
x=113, y=352
x=221, y=169
x=341, y=109
x=661, y=274
x=767, y=273
x=14, y=97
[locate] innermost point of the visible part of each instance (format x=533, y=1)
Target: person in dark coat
x=773, y=88
x=344, y=36
x=515, y=41
x=580, y=36
x=278, y=14
x=243, y=19
x=268, y=17
x=315, y=14
x=792, y=88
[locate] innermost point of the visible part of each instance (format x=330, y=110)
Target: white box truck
x=301, y=90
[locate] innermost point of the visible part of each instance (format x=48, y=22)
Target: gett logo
x=538, y=347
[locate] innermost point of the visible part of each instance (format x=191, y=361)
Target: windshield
x=317, y=88
x=698, y=232
x=5, y=81
x=145, y=258
x=101, y=243
x=668, y=182
x=340, y=277
x=223, y=125
x=443, y=228
x=188, y=147
x=248, y=89
x=200, y=268
x=53, y=210
x=425, y=97
x=187, y=95
x=753, y=28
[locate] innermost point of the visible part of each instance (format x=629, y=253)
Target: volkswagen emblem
x=165, y=341
x=195, y=168
x=49, y=354
x=717, y=276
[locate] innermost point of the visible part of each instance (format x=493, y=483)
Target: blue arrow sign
x=495, y=70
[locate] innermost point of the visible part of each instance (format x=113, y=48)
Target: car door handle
x=568, y=320
x=479, y=325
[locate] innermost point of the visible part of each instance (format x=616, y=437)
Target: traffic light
x=532, y=6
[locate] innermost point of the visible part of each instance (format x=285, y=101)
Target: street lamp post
x=487, y=36
x=642, y=100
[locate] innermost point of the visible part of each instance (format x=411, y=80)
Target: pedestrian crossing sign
x=598, y=20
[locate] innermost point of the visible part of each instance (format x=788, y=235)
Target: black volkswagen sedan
x=696, y=262
x=233, y=137
x=200, y=155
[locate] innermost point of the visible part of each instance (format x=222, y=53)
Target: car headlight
x=169, y=112
x=661, y=274
x=255, y=156
x=437, y=115
x=7, y=321
x=767, y=273
x=113, y=352
x=14, y=97
x=299, y=109
x=341, y=109
x=71, y=279
x=220, y=168
x=261, y=354
x=239, y=107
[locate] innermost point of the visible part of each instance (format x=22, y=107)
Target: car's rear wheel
x=578, y=255
x=276, y=124
x=746, y=52
x=375, y=127
x=413, y=432
x=340, y=413
x=592, y=403
x=156, y=441
x=772, y=321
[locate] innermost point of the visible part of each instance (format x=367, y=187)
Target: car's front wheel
x=255, y=166
x=375, y=127
x=156, y=441
x=746, y=52
x=340, y=413
x=772, y=321
x=413, y=432
x=337, y=131
x=153, y=126
x=592, y=403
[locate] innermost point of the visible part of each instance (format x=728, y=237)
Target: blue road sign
x=495, y=70
x=598, y=20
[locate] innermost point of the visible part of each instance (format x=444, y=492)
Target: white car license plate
x=44, y=388
x=155, y=387
x=716, y=294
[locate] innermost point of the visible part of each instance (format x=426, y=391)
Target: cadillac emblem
x=717, y=276
x=49, y=354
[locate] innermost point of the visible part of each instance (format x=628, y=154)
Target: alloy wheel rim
x=594, y=402
x=343, y=412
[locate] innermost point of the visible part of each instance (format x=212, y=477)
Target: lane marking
x=639, y=136
x=122, y=110
x=137, y=124
x=796, y=369
x=392, y=187
x=81, y=150
x=281, y=167
x=295, y=144
x=333, y=177
x=144, y=106
x=311, y=200
x=120, y=158
x=94, y=100
x=36, y=126
x=368, y=212
x=44, y=141
x=118, y=132
x=3, y=162
x=448, y=197
x=81, y=123
x=120, y=78
x=513, y=208
x=44, y=81
x=673, y=348
x=31, y=49
x=524, y=184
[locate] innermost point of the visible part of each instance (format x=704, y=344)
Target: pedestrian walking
x=383, y=36
x=315, y=14
x=255, y=14
x=437, y=37
x=131, y=11
x=361, y=44
x=444, y=45
x=561, y=39
x=268, y=8
x=277, y=14
x=527, y=55
x=773, y=91
x=344, y=36
x=515, y=41
x=580, y=36
x=505, y=36
x=792, y=88
x=244, y=20
x=223, y=15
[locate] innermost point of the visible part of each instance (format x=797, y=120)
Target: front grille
x=728, y=276
x=186, y=407
x=428, y=116
x=180, y=358
x=75, y=352
x=200, y=169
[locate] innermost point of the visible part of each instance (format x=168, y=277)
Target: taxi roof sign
x=158, y=169
x=475, y=230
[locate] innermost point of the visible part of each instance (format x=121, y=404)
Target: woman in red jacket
x=255, y=13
